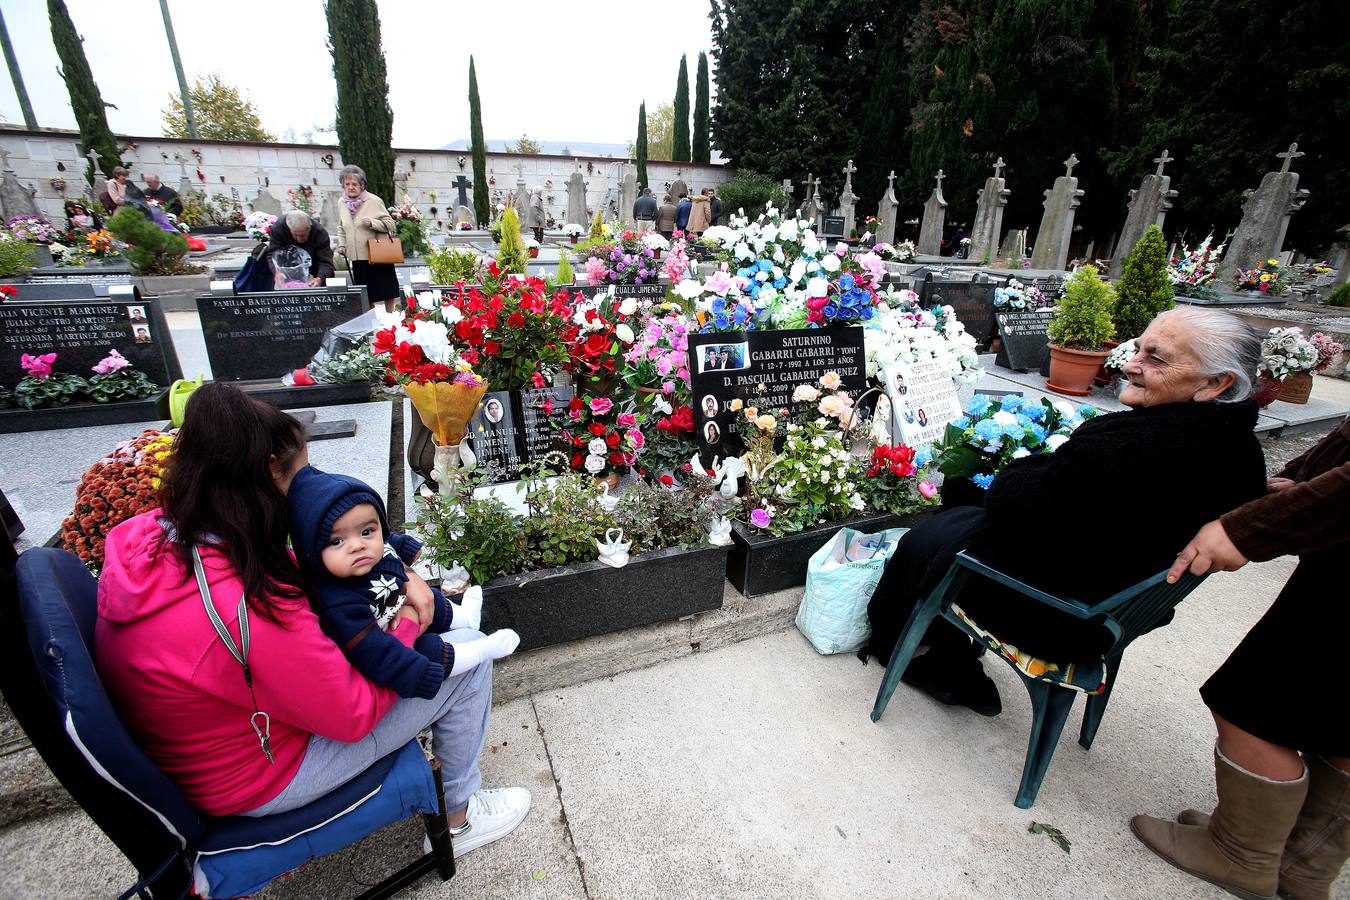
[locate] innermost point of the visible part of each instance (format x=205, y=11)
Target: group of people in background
x=693, y=215
x=121, y=189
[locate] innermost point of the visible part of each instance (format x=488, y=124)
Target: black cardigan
x=1118, y=501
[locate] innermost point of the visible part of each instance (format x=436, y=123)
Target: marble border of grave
x=760, y=563
x=555, y=606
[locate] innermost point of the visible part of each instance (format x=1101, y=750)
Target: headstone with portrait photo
x=762, y=369
x=264, y=335
x=1023, y=339
x=495, y=437
x=833, y=227
x=81, y=332
x=923, y=401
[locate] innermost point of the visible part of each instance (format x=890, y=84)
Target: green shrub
x=151, y=250
x=749, y=191
x=598, y=227
x=16, y=257
x=413, y=237
x=449, y=265
x=1340, y=296
x=1084, y=319
x=565, y=274
x=57, y=389
x=511, y=255
x=1144, y=289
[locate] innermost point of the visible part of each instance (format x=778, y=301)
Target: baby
x=341, y=537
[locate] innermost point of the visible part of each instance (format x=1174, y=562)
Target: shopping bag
x=840, y=579
x=389, y=250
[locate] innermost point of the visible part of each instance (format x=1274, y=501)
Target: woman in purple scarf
x=364, y=216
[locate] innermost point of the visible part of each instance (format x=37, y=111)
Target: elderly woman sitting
x=1105, y=511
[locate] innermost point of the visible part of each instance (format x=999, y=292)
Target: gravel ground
x=1282, y=449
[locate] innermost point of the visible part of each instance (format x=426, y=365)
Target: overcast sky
x=559, y=71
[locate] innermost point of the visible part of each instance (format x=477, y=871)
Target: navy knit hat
x=317, y=499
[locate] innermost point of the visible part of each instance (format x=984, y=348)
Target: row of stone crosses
x=1265, y=215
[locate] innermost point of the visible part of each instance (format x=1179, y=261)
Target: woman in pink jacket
x=182, y=692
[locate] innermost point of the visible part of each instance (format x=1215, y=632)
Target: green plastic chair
x=1127, y=615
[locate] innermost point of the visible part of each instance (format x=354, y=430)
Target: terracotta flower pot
x=1072, y=371
x=1267, y=389
x=1105, y=377
x=1296, y=387
x=574, y=238
x=612, y=479
x=534, y=253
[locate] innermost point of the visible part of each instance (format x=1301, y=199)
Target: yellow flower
x=1272, y=262
x=751, y=413
x=766, y=423
x=1265, y=277
x=736, y=405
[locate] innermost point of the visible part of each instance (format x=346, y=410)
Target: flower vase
x=448, y=459
x=612, y=479
x=1267, y=390
x=574, y=238
x=1296, y=387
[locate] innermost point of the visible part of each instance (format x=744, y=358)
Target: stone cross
x=1289, y=156
x=1052, y=239
x=999, y=167
x=886, y=212
x=890, y=181
x=848, y=201
x=934, y=218
x=462, y=184
x=94, y=156
x=988, y=227
x=576, y=197
x=939, y=177
x=848, y=173
x=1162, y=161
x=1148, y=206
x=787, y=189
x=520, y=169
x=262, y=176
x=4, y=159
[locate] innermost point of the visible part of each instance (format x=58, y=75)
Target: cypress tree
x=85, y=100
x=641, y=152
x=511, y=255
x=365, y=122
x=701, y=151
x=1144, y=289
x=482, y=209
x=679, y=151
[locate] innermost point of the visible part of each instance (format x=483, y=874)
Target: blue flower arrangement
x=996, y=431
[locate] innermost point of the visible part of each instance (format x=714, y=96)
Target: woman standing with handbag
x=368, y=238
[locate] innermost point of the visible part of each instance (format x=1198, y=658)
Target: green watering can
x=179, y=392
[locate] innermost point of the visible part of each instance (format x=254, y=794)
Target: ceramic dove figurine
x=719, y=531
x=730, y=476
x=608, y=502
x=614, y=552
x=454, y=579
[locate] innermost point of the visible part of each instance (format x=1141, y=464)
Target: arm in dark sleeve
x=406, y=546
x=279, y=236
x=375, y=653
x=1309, y=516
x=320, y=253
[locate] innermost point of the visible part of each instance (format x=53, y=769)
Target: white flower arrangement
x=1285, y=352
x=653, y=240
x=1121, y=355
x=571, y=229
x=903, y=333
x=531, y=244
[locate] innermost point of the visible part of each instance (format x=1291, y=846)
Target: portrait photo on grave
x=907, y=411
x=923, y=418
x=136, y=313
x=711, y=433
x=493, y=411
x=710, y=406
x=723, y=356
x=141, y=334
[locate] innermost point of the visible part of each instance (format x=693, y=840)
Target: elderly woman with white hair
x=299, y=229
x=1183, y=454
x=364, y=217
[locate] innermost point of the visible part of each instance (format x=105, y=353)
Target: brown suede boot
x=1241, y=847
x=1320, y=842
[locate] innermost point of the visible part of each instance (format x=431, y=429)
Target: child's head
x=338, y=524
x=355, y=544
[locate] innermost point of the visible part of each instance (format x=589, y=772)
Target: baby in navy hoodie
x=340, y=534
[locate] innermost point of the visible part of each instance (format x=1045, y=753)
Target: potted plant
x=46, y=399
x=573, y=231
x=1079, y=332
x=656, y=243
x=532, y=248
x=1290, y=358
x=1145, y=288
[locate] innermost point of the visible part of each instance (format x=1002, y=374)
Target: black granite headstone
x=52, y=289
x=81, y=332
x=730, y=365
x=832, y=227
x=541, y=411
x=1022, y=339
x=266, y=335
x=83, y=276
x=654, y=291
x=973, y=302
x=1051, y=286
x=495, y=437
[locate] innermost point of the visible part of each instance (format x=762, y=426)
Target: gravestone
x=934, y=218
x=1265, y=218
x=1023, y=339
x=679, y=187
x=15, y=199
x=777, y=361
x=184, y=183
x=265, y=335
x=461, y=186
x=1050, y=285
x=1148, y=206
x=923, y=400
x=628, y=196
x=81, y=332
x=1013, y=250
x=266, y=203
x=988, y=227
x=118, y=286
x=542, y=412
x=832, y=227
x=810, y=209
x=848, y=201
x=97, y=182
x=1052, y=239
x=520, y=198
x=972, y=301
x=655, y=291
x=787, y=195
x=105, y=275
x=330, y=212
x=886, y=212
x=495, y=437
x=464, y=214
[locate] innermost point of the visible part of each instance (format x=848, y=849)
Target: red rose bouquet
x=602, y=439
x=598, y=345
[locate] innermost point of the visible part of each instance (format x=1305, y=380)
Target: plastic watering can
x=179, y=392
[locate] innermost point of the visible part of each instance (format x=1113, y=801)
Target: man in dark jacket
x=165, y=196
x=716, y=207
x=297, y=229
x=644, y=210
x=682, y=212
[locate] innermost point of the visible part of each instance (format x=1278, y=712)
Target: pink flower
x=601, y=405
x=664, y=365
x=38, y=367
x=113, y=362
x=595, y=270
x=927, y=490
x=719, y=283
x=574, y=414
x=760, y=518
x=627, y=420
x=684, y=374
x=637, y=439
x=668, y=387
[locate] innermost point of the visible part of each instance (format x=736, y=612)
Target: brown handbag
x=386, y=251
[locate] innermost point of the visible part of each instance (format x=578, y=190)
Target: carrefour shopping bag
x=839, y=581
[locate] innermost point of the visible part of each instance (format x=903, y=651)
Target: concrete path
x=754, y=771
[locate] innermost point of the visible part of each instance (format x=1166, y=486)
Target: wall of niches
x=243, y=170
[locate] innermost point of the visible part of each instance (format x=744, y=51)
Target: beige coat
x=700, y=214
x=353, y=237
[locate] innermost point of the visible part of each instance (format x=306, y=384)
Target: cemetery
x=684, y=503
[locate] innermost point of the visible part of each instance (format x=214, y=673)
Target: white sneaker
x=493, y=814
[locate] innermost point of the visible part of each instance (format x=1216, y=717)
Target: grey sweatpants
x=457, y=715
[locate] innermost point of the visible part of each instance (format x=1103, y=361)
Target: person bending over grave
x=356, y=568
x=160, y=194
x=1183, y=454
x=1282, y=759
x=298, y=229
x=172, y=673
x=364, y=220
